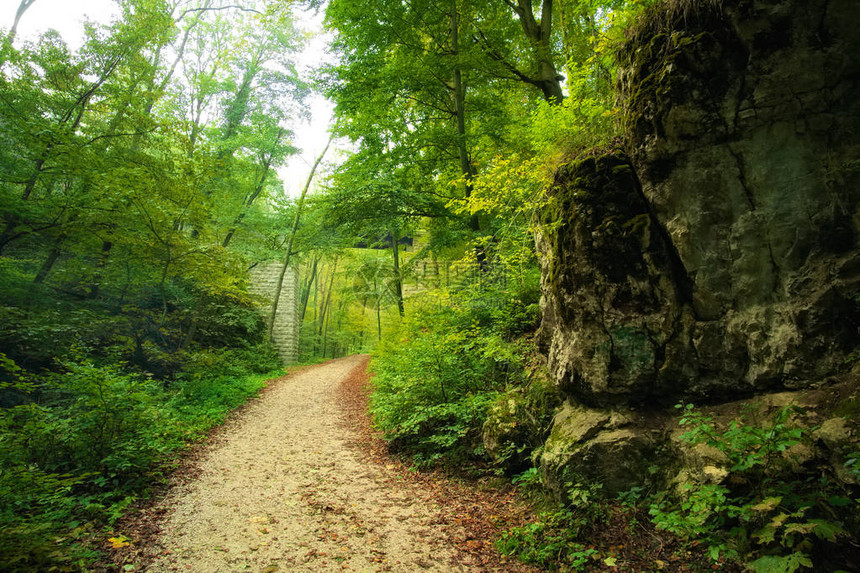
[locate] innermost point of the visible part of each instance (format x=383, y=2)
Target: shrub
x=770, y=513
x=555, y=539
x=549, y=542
x=433, y=387
x=93, y=420
x=519, y=421
x=88, y=439
x=215, y=362
x=40, y=529
x=430, y=398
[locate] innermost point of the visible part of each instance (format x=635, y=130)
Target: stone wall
x=715, y=255
x=264, y=280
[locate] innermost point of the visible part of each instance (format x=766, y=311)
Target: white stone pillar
x=264, y=279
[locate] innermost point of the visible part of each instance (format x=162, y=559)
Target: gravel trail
x=286, y=489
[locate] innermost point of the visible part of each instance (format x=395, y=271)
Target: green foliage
x=430, y=396
x=97, y=419
x=749, y=448
x=216, y=382
x=90, y=438
x=503, y=309
x=548, y=542
x=40, y=524
x=529, y=478
x=770, y=513
x=583, y=121
x=123, y=214
x=780, y=563
x=555, y=540
x=520, y=419
x=852, y=464
x=434, y=385
x=230, y=362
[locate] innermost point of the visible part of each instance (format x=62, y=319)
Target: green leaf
x=768, y=504
x=779, y=563
x=714, y=552
x=827, y=530
x=779, y=520
x=838, y=501
x=802, y=528
x=765, y=535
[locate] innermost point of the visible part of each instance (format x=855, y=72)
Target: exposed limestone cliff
x=713, y=256
x=717, y=255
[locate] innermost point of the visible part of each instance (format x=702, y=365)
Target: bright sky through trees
x=67, y=17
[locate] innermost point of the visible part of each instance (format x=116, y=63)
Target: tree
x=502, y=45
x=288, y=250
x=22, y=7
x=401, y=93
x=129, y=168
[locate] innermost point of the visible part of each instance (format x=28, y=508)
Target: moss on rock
x=591, y=446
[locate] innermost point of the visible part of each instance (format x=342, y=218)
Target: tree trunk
x=378, y=318
x=327, y=301
x=466, y=167
x=292, y=238
x=363, y=321
x=49, y=261
x=543, y=74
x=398, y=278
x=460, y=105
x=306, y=292
x=316, y=313
x=95, y=287
x=540, y=37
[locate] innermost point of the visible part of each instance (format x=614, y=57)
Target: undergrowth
x=89, y=439
x=434, y=384
x=776, y=509
x=558, y=537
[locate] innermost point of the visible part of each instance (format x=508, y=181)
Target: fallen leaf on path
x=118, y=542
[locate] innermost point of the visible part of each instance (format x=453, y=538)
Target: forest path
x=288, y=487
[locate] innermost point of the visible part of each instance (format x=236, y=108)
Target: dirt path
x=287, y=488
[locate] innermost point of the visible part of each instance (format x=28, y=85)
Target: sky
x=311, y=136
x=66, y=16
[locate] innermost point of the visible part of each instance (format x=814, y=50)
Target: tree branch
x=546, y=20
x=495, y=55
x=206, y=9
x=22, y=7
x=112, y=135
x=527, y=20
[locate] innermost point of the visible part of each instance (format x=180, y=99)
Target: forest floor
x=299, y=481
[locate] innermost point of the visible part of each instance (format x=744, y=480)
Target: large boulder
x=519, y=421
x=590, y=446
x=718, y=257
x=614, y=301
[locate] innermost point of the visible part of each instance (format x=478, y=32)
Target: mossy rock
x=590, y=446
x=519, y=420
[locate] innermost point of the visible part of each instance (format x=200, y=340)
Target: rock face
x=716, y=255
x=586, y=445
x=285, y=335
x=519, y=421
x=613, y=302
